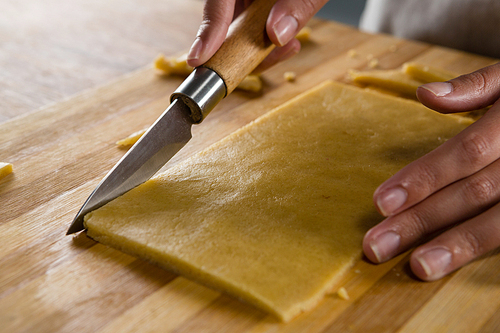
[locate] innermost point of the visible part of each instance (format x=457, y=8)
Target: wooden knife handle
x=245, y=47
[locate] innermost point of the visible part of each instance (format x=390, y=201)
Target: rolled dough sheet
x=275, y=213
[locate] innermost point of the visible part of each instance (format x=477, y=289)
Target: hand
x=456, y=186
x=286, y=19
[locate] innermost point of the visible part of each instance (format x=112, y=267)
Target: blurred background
x=347, y=12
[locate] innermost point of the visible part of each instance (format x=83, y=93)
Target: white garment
x=469, y=25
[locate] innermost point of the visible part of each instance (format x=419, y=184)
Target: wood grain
x=53, y=49
x=50, y=282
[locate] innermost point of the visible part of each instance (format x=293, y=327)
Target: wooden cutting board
x=50, y=282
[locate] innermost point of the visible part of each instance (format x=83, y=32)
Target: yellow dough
x=404, y=82
x=304, y=34
x=391, y=80
x=251, y=82
x=427, y=74
x=290, y=76
x=275, y=213
x=5, y=169
x=131, y=139
x=173, y=65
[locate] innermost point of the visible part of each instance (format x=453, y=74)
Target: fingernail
x=195, y=51
x=439, y=89
x=389, y=201
x=385, y=246
x=286, y=29
x=435, y=262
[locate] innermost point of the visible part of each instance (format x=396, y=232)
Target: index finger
x=217, y=16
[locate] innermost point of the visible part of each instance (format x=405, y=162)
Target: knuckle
x=475, y=149
x=209, y=23
x=427, y=178
x=308, y=8
x=309, y=4
x=471, y=244
x=420, y=222
x=479, y=80
x=480, y=189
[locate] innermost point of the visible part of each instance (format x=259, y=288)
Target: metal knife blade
x=246, y=45
x=191, y=102
x=162, y=141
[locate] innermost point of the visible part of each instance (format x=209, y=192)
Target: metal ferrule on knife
x=201, y=91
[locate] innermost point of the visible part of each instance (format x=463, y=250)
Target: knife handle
x=245, y=46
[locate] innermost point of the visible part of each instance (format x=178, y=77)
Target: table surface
x=50, y=50
x=75, y=82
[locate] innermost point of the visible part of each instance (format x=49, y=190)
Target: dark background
x=345, y=11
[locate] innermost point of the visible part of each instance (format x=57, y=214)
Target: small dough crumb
x=352, y=53
x=290, y=76
x=373, y=63
x=369, y=57
x=393, y=48
x=5, y=169
x=131, y=139
x=342, y=293
x=304, y=34
x=251, y=83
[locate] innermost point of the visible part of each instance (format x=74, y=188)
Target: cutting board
x=50, y=282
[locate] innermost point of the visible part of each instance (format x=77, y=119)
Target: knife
x=245, y=46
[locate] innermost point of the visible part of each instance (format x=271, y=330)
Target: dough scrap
x=427, y=74
x=290, y=76
x=252, y=83
x=5, y=169
x=304, y=34
x=131, y=139
x=275, y=213
x=392, y=80
x=342, y=293
x=405, y=81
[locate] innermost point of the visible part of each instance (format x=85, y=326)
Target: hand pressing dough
x=275, y=213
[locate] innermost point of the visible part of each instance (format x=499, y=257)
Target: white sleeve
x=469, y=25
x=374, y=15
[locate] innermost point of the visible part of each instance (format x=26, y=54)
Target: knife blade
x=245, y=46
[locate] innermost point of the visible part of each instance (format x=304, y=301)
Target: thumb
x=465, y=93
x=287, y=17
